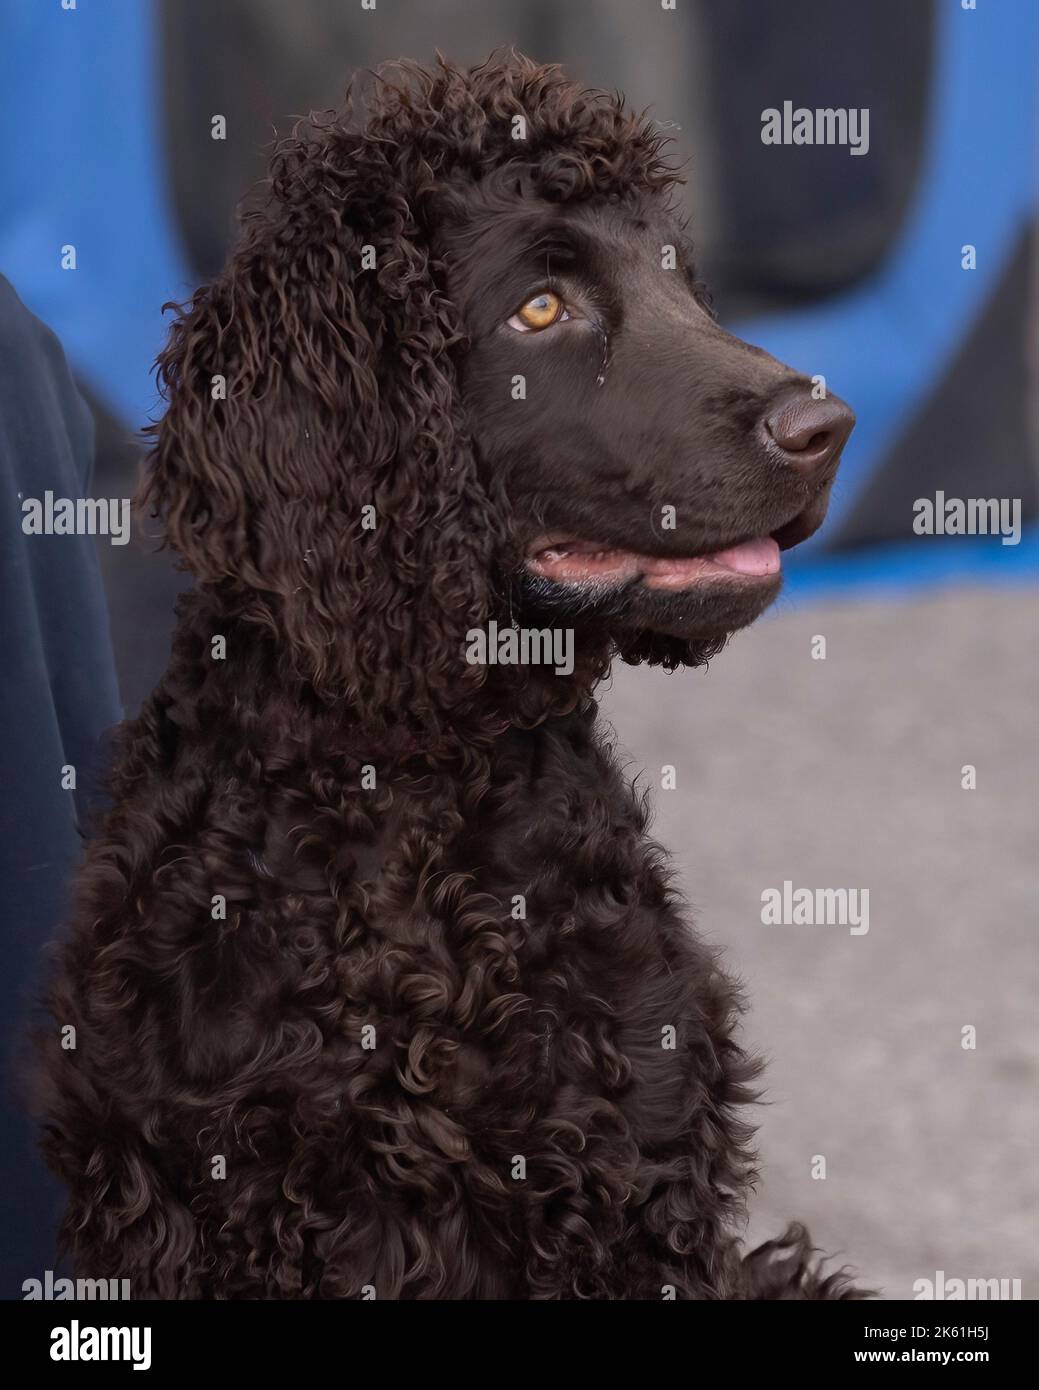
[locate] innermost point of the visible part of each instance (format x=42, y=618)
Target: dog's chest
x=537, y=963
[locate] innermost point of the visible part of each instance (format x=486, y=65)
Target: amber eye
x=542, y=311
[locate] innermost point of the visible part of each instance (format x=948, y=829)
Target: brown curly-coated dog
x=378, y=986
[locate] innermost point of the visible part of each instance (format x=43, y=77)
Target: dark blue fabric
x=58, y=694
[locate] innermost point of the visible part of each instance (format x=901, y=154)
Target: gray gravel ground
x=846, y=772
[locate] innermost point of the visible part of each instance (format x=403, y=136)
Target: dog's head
x=655, y=465
x=459, y=368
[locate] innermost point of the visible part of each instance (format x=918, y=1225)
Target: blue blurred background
x=840, y=265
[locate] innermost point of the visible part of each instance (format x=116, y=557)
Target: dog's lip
x=562, y=556
x=569, y=561
x=804, y=524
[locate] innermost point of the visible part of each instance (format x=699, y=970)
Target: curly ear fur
x=340, y=395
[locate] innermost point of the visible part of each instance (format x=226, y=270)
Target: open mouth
x=757, y=560
x=578, y=562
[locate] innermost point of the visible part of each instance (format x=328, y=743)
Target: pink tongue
x=752, y=557
x=582, y=560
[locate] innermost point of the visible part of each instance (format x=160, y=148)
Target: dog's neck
x=255, y=699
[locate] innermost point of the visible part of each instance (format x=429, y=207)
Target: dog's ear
x=313, y=453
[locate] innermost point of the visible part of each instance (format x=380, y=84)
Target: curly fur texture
x=371, y=1070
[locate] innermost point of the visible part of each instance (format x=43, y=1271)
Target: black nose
x=809, y=432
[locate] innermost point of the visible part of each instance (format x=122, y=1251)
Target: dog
x=376, y=986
